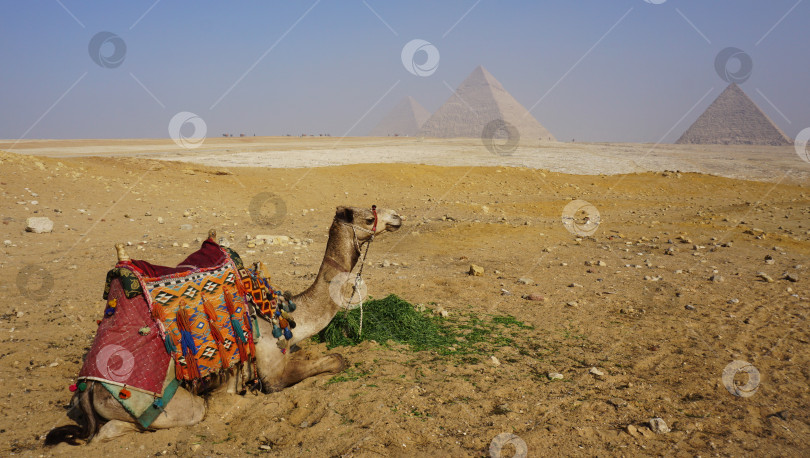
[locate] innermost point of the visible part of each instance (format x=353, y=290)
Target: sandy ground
x=653, y=324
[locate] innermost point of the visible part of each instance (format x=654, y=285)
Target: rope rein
x=358, y=277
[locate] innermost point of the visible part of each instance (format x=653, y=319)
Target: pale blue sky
x=596, y=70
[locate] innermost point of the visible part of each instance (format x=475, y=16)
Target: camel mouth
x=393, y=227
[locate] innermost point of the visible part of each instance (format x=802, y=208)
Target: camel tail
x=82, y=412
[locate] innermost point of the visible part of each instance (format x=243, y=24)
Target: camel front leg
x=298, y=369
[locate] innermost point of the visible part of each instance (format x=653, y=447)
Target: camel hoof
x=340, y=363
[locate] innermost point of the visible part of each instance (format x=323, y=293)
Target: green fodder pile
x=395, y=319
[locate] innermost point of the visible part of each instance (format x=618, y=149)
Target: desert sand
x=659, y=300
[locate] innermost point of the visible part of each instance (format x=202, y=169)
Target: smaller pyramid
x=405, y=119
x=478, y=101
x=734, y=119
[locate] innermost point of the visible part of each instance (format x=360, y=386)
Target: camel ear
x=345, y=214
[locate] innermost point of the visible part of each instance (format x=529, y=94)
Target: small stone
x=765, y=277
x=689, y=307
x=670, y=251
x=717, y=278
x=632, y=430
x=160, y=220
x=659, y=426
x=601, y=263
x=596, y=372
x=572, y=304
x=617, y=402
x=39, y=225
x=265, y=447
x=791, y=277
x=185, y=245
x=186, y=227
x=186, y=214
x=575, y=285
x=476, y=271
x=525, y=281
x=535, y=297
x=555, y=376
x=304, y=424
x=733, y=301
x=7, y=242
x=386, y=263
x=495, y=361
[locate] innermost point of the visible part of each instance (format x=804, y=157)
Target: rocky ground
x=683, y=275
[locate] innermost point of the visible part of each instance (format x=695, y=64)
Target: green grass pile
x=395, y=319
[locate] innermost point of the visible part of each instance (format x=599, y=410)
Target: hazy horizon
x=627, y=71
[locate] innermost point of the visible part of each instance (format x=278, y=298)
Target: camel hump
x=122, y=254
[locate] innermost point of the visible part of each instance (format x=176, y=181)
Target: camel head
x=363, y=219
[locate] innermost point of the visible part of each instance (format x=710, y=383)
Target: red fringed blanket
x=195, y=313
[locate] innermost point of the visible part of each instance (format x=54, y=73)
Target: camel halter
x=358, y=278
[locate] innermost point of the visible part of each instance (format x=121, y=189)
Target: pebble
x=160, y=220
x=617, y=402
x=596, y=372
x=632, y=430
x=476, y=271
x=386, y=263
x=7, y=242
x=535, y=297
x=670, y=251
x=791, y=277
x=767, y=278
x=495, y=361
x=186, y=227
x=717, y=278
x=572, y=304
x=689, y=307
x=525, y=281
x=659, y=426
x=39, y=225
x=575, y=285
x=555, y=376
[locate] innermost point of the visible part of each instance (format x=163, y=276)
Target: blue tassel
x=291, y=305
x=170, y=349
x=276, y=331
x=158, y=403
x=187, y=343
x=287, y=333
x=237, y=328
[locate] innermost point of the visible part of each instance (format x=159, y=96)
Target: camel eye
x=369, y=220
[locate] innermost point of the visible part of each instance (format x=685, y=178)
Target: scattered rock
x=160, y=220
x=186, y=227
x=476, y=271
x=791, y=277
x=717, y=278
x=495, y=361
x=670, y=251
x=39, y=225
x=765, y=277
x=386, y=263
x=7, y=242
x=689, y=307
x=617, y=402
x=596, y=372
x=535, y=297
x=555, y=376
x=659, y=426
x=575, y=285
x=632, y=430
x=525, y=281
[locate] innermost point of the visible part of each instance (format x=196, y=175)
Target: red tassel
x=211, y=314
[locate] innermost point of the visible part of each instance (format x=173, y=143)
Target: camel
x=350, y=229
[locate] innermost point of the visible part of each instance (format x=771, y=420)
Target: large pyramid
x=734, y=119
x=404, y=119
x=479, y=100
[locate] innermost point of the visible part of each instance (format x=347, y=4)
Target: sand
x=655, y=325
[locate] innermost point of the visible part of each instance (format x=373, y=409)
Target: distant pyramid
x=404, y=119
x=734, y=119
x=479, y=100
